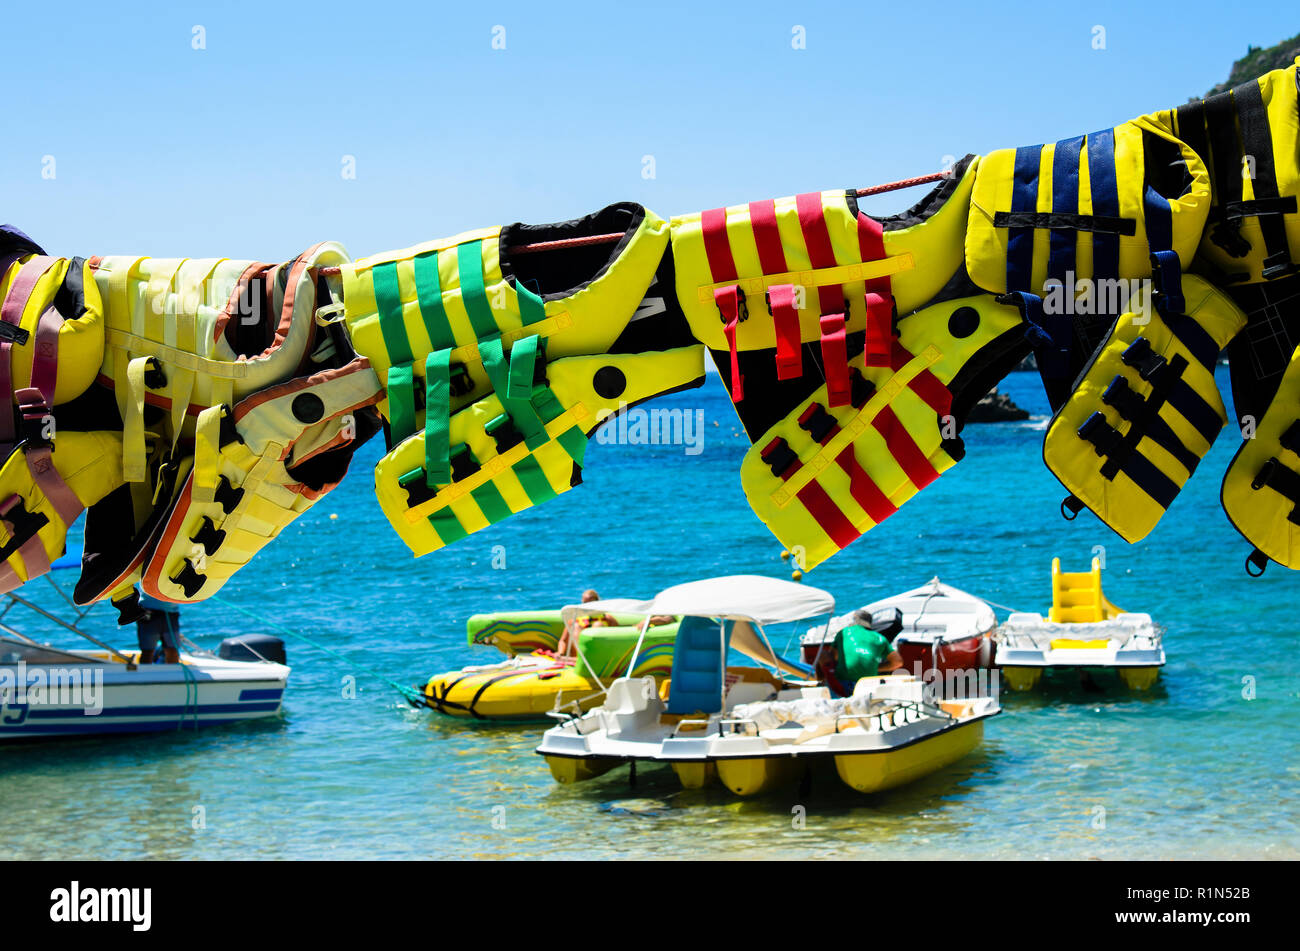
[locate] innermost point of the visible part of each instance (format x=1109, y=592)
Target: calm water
x=1190, y=769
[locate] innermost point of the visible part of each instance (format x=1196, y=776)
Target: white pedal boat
x=1084, y=632
x=754, y=729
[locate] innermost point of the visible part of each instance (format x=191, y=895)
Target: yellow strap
x=207, y=453
x=841, y=274
x=220, y=369
x=498, y=464
x=855, y=426
x=133, y=448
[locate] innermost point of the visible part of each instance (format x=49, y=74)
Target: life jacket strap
x=1166, y=378
x=24, y=538
x=784, y=463
x=11, y=317
x=1141, y=416
x=437, y=418
x=1121, y=457
x=1283, y=480
x=731, y=305
x=835, y=360
x=785, y=321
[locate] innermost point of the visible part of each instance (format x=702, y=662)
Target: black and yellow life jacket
x=1146, y=409
x=497, y=366
x=1250, y=138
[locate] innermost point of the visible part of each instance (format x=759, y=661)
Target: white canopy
x=743, y=598
x=606, y=606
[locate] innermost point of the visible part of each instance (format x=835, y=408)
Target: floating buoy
x=785, y=554
x=796, y=575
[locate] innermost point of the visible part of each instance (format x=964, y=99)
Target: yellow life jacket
x=53, y=338
x=496, y=365
x=44, y=486
x=851, y=397
x=1247, y=137
x=1147, y=408
x=262, y=479
x=495, y=470
x=823, y=475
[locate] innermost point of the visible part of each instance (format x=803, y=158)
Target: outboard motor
x=887, y=621
x=253, y=647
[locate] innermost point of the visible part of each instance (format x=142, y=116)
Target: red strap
x=835, y=360
x=36, y=561
x=880, y=319
x=11, y=312
x=865, y=492
x=717, y=247
x=822, y=508
x=728, y=301
x=785, y=320
x=925, y=384
x=767, y=237
x=904, y=449
x=880, y=299
x=45, y=357
x=39, y=462
x=817, y=239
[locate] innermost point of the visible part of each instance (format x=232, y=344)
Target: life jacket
x=1147, y=408
x=51, y=332
x=1251, y=248
x=272, y=465
x=496, y=366
x=1085, y=213
x=852, y=397
x=240, y=402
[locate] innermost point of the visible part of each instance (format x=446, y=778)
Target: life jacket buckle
x=417, y=488
x=154, y=378
x=779, y=457
x=463, y=463
x=460, y=383
x=503, y=430
x=226, y=495
x=1264, y=475
x=817, y=422
x=860, y=389
x=12, y=333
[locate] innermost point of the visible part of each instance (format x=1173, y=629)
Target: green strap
x=531, y=308
x=536, y=486
x=447, y=525
x=490, y=500
x=437, y=418
x=388, y=301
x=401, y=402
x=469, y=262
x=573, y=440
x=523, y=362
x=428, y=291
x=521, y=411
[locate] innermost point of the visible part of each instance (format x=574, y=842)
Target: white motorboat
x=47, y=691
x=933, y=627
x=756, y=728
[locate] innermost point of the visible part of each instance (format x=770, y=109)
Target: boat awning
x=744, y=598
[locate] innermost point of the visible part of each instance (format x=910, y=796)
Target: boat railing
x=681, y=723
x=892, y=712
x=735, y=724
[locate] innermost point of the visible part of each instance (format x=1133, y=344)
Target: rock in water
x=996, y=407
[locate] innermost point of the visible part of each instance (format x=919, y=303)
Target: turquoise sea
x=1193, y=768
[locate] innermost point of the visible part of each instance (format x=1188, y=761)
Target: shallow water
x=1192, y=768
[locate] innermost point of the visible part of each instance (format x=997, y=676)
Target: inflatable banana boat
x=535, y=680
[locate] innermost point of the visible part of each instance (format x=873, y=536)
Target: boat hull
x=877, y=771
x=755, y=775
x=102, y=698
x=567, y=770
x=510, y=694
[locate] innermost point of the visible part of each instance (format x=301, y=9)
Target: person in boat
x=160, y=621
x=858, y=651
x=569, y=638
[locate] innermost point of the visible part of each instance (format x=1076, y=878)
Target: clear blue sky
x=236, y=150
